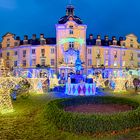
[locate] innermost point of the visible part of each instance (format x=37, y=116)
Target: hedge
x=92, y=123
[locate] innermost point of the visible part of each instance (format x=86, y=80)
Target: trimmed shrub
x=92, y=123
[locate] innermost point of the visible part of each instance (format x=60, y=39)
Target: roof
x=66, y=18
x=8, y=33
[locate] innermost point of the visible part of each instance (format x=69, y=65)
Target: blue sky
x=111, y=17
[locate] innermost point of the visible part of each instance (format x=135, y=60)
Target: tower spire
x=70, y=2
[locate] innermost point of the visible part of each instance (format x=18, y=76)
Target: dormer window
x=8, y=42
x=131, y=45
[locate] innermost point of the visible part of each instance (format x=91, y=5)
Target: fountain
x=77, y=84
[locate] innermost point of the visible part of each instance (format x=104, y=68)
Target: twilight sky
x=111, y=17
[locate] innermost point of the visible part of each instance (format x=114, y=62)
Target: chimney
x=113, y=37
x=98, y=37
x=34, y=37
x=120, y=38
x=42, y=36
x=106, y=38
x=25, y=37
x=91, y=36
x=17, y=38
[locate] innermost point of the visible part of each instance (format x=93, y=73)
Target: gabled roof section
x=131, y=36
x=7, y=34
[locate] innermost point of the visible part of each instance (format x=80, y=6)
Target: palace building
x=60, y=53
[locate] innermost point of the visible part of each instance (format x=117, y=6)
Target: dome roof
x=69, y=16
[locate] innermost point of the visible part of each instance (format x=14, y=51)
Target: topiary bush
x=92, y=123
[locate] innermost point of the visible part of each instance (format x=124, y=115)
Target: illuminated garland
x=66, y=40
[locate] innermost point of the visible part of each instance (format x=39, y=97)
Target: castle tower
x=70, y=37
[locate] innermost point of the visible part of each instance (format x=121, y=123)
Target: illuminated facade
x=60, y=53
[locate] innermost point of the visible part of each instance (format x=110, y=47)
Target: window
x=43, y=62
x=123, y=63
x=15, y=63
x=8, y=42
x=0, y=55
x=33, y=62
x=124, y=44
x=123, y=53
x=42, y=50
x=107, y=52
x=115, y=63
x=24, y=53
x=98, y=42
x=89, y=51
x=16, y=44
x=25, y=42
x=71, y=44
x=8, y=45
x=52, y=50
x=106, y=62
x=70, y=31
x=33, y=51
x=114, y=42
x=15, y=52
x=52, y=62
x=89, y=62
x=138, y=64
x=8, y=54
x=132, y=56
x=115, y=54
x=42, y=42
x=24, y=63
x=131, y=45
x=138, y=55
x=7, y=64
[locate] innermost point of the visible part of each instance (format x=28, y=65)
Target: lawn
x=28, y=122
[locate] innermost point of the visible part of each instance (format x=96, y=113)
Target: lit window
x=123, y=63
x=106, y=62
x=42, y=52
x=24, y=63
x=115, y=63
x=123, y=53
x=98, y=62
x=33, y=62
x=43, y=62
x=106, y=52
x=98, y=42
x=52, y=62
